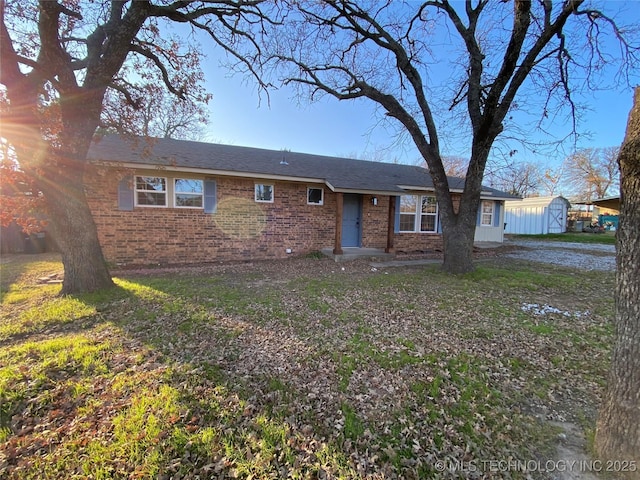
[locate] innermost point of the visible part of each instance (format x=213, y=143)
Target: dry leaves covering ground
x=302, y=368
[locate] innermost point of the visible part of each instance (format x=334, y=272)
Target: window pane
x=151, y=191
x=407, y=222
x=188, y=185
x=151, y=198
x=487, y=214
x=314, y=195
x=264, y=193
x=151, y=183
x=187, y=200
x=408, y=204
x=429, y=205
x=428, y=223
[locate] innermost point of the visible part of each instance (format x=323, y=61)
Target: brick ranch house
x=165, y=201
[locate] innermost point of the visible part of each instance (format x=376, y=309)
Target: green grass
x=232, y=374
x=353, y=426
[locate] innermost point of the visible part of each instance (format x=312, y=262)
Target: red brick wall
x=417, y=242
x=240, y=229
x=374, y=221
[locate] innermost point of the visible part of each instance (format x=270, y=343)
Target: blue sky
x=351, y=128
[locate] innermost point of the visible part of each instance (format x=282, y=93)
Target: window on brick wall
x=408, y=213
x=189, y=193
x=418, y=213
x=315, y=196
x=264, y=192
x=151, y=191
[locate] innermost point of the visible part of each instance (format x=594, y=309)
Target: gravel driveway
x=584, y=256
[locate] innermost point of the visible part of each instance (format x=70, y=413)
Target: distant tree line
x=583, y=176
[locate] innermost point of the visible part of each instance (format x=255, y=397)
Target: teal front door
x=351, y=220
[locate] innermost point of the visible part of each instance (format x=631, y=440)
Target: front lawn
x=302, y=368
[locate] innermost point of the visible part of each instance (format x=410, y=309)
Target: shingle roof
x=340, y=174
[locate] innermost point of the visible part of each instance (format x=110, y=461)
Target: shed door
x=557, y=216
x=351, y=215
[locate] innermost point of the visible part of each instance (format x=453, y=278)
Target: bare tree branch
x=348, y=50
x=138, y=48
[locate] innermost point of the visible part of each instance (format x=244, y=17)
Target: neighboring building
x=607, y=206
x=536, y=215
x=607, y=211
x=169, y=201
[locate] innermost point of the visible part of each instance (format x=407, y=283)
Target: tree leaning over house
x=59, y=58
x=618, y=428
x=388, y=53
x=162, y=115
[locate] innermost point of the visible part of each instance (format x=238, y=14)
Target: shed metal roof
x=339, y=174
x=537, y=201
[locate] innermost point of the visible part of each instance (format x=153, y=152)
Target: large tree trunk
x=73, y=227
x=459, y=221
x=618, y=428
x=56, y=163
x=458, y=246
x=61, y=177
x=75, y=233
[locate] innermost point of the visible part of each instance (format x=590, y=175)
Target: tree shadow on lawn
x=154, y=406
x=202, y=377
x=38, y=312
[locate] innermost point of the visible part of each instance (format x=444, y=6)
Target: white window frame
x=255, y=192
x=490, y=214
x=139, y=191
x=321, y=202
x=414, y=214
x=418, y=214
x=176, y=192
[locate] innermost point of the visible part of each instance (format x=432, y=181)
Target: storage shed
x=536, y=215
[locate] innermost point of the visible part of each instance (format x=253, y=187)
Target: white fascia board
x=331, y=187
x=366, y=192
x=484, y=195
x=510, y=199
x=209, y=172
x=492, y=196
x=417, y=189
x=361, y=191
x=413, y=188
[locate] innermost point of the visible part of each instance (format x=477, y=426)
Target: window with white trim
x=263, y=193
x=408, y=213
x=315, y=196
x=188, y=193
x=151, y=191
x=418, y=214
x=486, y=215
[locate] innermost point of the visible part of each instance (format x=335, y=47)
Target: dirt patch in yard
x=291, y=265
